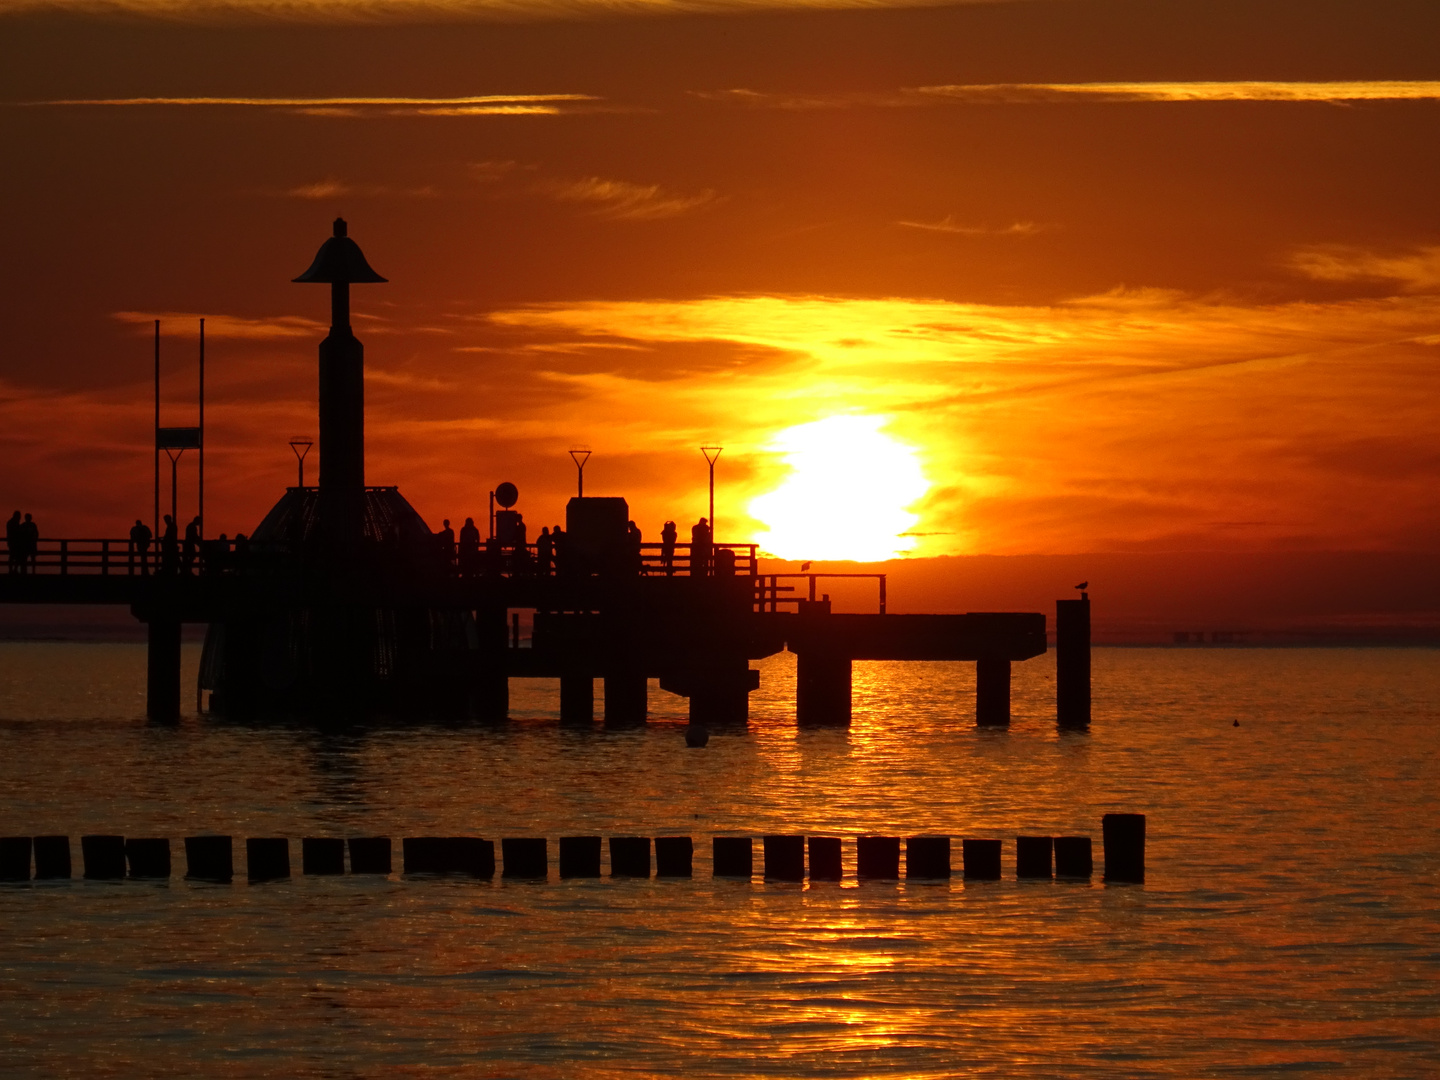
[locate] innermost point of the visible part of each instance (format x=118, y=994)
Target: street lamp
x=580, y=455
x=301, y=445
x=712, y=455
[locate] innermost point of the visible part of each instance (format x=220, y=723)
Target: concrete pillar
x=1032, y=856
x=1073, y=858
x=52, y=857
x=162, y=671
x=322, y=855
x=103, y=856
x=209, y=858
x=525, y=857
x=370, y=854
x=981, y=859
x=577, y=699
x=824, y=858
x=927, y=857
x=1072, y=663
x=733, y=857
x=992, y=693
x=720, y=693
x=784, y=858
x=579, y=856
x=149, y=857
x=626, y=698
x=822, y=689
x=674, y=856
x=267, y=858
x=877, y=857
x=630, y=856
x=1124, y=847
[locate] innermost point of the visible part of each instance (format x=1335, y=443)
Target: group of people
x=174, y=555
x=22, y=543
x=473, y=557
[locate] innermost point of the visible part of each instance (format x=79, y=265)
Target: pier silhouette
x=342, y=602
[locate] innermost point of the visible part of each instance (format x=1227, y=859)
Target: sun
x=848, y=493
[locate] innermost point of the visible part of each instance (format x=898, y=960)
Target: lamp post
x=580, y=455
x=301, y=445
x=712, y=455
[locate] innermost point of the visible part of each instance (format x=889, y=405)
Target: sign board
x=177, y=438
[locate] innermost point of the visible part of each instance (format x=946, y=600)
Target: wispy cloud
x=476, y=105
x=1260, y=90
x=338, y=189
x=948, y=224
x=621, y=200
x=1414, y=271
x=226, y=326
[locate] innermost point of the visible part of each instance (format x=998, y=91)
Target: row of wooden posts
x=784, y=857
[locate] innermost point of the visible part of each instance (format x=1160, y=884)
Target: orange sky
x=1125, y=276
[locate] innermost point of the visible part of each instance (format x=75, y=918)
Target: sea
x=1289, y=922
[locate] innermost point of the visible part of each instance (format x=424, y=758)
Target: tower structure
x=340, y=263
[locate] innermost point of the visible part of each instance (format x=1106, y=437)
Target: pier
x=342, y=602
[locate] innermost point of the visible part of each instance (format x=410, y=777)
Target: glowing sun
x=848, y=493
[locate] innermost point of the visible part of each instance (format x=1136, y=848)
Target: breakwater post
x=1124, y=847
x=1032, y=856
x=992, y=692
x=824, y=858
x=103, y=857
x=784, y=858
x=1072, y=662
x=877, y=857
x=14, y=858
x=1073, y=858
x=981, y=859
x=162, y=670
x=674, y=856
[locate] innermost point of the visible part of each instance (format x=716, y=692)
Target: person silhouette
x=30, y=550
x=14, y=543
x=560, y=544
x=140, y=537
x=544, y=552
x=170, y=547
x=700, y=548
x=192, y=543
x=445, y=539
x=668, y=536
x=469, y=548
x=635, y=542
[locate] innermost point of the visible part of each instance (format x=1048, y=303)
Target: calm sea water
x=1290, y=922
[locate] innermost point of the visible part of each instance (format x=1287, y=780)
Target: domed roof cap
x=340, y=260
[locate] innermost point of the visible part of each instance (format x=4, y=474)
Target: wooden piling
x=525, y=857
x=1073, y=858
x=674, y=856
x=14, y=858
x=579, y=856
x=733, y=857
x=877, y=857
x=209, y=858
x=630, y=856
x=1072, y=663
x=267, y=858
x=927, y=857
x=369, y=854
x=52, y=857
x=784, y=858
x=148, y=857
x=626, y=698
x=322, y=855
x=1124, y=838
x=981, y=859
x=102, y=857
x=824, y=852
x=1032, y=856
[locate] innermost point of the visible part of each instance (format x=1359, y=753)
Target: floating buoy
x=695, y=735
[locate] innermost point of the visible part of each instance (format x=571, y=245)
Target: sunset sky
x=1012, y=278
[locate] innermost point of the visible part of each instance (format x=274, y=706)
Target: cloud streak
x=474, y=105
x=623, y=201
x=1259, y=90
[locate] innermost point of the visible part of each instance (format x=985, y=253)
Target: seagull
x=1083, y=585
x=804, y=566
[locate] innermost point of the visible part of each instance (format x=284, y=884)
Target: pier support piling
x=992, y=692
x=1072, y=663
x=822, y=689
x=1124, y=847
x=626, y=698
x=577, y=699
x=162, y=670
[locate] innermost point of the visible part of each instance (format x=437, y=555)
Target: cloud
x=336, y=189
x=1417, y=270
x=624, y=201
x=1329, y=92
x=226, y=326
x=482, y=105
x=947, y=224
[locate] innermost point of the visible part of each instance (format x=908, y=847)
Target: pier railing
x=768, y=590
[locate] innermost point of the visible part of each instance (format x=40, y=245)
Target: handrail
x=768, y=589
